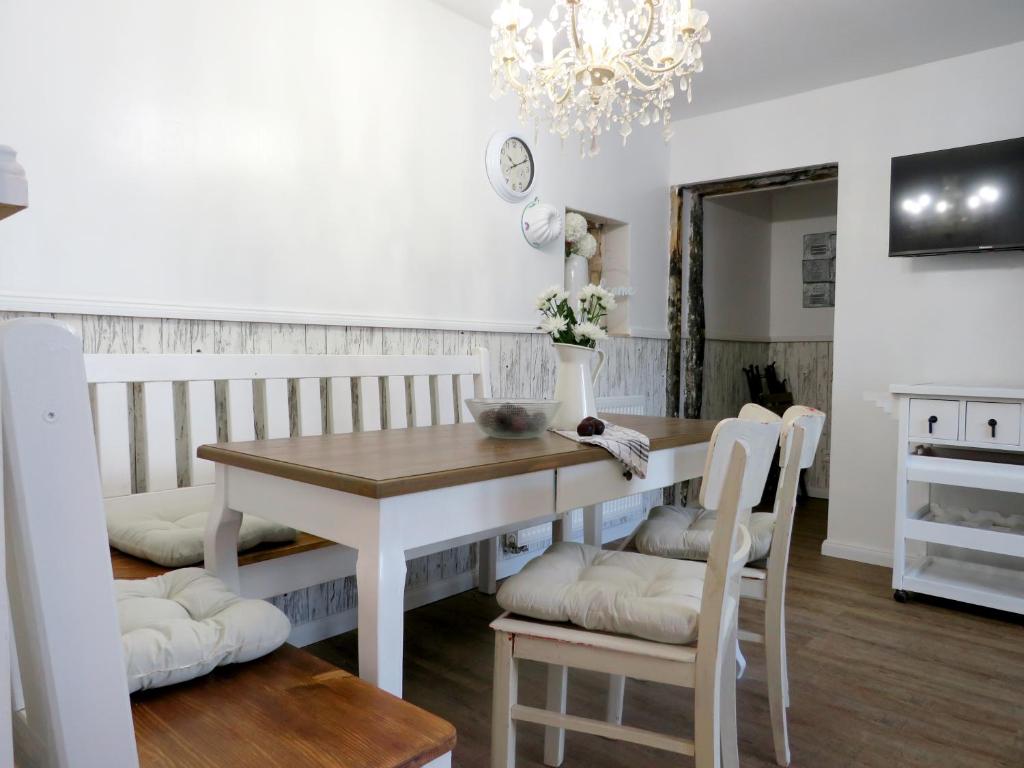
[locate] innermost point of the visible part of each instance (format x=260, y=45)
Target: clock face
x=516, y=165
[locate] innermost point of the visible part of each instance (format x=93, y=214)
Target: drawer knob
x=931, y=423
x=992, y=423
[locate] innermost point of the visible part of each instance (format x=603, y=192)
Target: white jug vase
x=574, y=386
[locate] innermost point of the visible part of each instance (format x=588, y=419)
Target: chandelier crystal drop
x=592, y=65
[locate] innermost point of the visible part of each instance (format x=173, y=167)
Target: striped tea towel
x=627, y=445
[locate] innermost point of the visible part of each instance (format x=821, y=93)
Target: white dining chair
x=667, y=533
x=651, y=618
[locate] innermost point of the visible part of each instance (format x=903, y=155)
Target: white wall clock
x=511, y=167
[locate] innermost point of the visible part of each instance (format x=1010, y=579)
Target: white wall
x=753, y=254
x=253, y=159
x=955, y=318
x=737, y=266
x=798, y=211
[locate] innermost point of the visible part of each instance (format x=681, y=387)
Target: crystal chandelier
x=612, y=66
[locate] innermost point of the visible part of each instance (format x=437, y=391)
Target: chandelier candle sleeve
x=591, y=65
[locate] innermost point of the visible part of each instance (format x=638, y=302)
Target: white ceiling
x=764, y=49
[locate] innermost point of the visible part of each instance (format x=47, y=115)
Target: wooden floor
x=929, y=684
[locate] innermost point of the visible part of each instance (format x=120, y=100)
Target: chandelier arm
x=647, y=34
x=654, y=70
x=510, y=75
x=574, y=38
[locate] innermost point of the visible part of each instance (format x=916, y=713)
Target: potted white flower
x=575, y=328
x=580, y=247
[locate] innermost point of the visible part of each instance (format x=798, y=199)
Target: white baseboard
x=817, y=493
x=339, y=623
x=868, y=555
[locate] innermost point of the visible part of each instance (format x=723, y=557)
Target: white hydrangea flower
x=575, y=227
x=554, y=325
x=586, y=246
x=589, y=331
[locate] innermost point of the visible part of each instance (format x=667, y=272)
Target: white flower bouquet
x=579, y=325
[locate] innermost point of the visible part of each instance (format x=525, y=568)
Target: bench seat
x=286, y=709
x=128, y=567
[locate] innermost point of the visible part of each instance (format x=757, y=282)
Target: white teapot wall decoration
x=542, y=223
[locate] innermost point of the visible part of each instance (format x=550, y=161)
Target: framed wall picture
x=819, y=270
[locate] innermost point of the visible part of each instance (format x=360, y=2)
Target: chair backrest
x=760, y=435
x=734, y=481
x=801, y=432
x=152, y=411
x=76, y=710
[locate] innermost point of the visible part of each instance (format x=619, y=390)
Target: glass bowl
x=512, y=419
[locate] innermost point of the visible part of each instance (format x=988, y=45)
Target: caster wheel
x=901, y=596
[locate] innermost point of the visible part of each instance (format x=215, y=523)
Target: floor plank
x=874, y=683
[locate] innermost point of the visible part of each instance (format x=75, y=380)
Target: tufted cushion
x=685, y=533
x=621, y=592
x=167, y=527
x=181, y=625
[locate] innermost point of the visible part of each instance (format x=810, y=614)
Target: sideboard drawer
x=934, y=419
x=997, y=423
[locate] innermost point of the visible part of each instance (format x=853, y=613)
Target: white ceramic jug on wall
x=574, y=385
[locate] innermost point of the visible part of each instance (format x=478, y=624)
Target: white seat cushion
x=684, y=533
x=621, y=592
x=167, y=527
x=181, y=625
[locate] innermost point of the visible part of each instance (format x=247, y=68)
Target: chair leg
x=616, y=695
x=741, y=661
x=487, y=565
x=775, y=655
x=707, y=735
x=785, y=660
x=506, y=693
x=554, y=738
x=730, y=732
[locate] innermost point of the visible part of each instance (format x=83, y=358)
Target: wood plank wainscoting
x=806, y=364
x=523, y=365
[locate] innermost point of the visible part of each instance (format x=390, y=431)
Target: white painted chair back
x=152, y=411
x=76, y=709
x=760, y=438
x=801, y=431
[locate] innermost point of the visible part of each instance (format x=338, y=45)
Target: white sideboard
x=970, y=437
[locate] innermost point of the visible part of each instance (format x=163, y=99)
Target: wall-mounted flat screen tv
x=965, y=200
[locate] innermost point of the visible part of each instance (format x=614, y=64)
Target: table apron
x=462, y=512
x=586, y=484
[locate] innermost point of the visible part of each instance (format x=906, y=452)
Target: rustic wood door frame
x=692, y=394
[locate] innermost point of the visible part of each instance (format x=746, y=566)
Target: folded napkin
x=627, y=445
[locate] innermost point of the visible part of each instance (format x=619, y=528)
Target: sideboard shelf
x=967, y=437
x=985, y=585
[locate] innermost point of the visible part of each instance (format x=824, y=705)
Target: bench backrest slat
x=172, y=404
x=112, y=438
x=202, y=428
x=275, y=408
x=310, y=416
x=340, y=399
x=421, y=401
x=161, y=453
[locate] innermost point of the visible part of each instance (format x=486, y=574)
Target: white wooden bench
x=151, y=412
x=71, y=706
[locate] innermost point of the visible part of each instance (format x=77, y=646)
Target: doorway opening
x=752, y=296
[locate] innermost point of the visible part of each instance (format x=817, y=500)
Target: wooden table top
x=393, y=462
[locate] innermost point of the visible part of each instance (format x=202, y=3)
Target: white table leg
x=380, y=577
x=487, y=565
x=593, y=525
x=220, y=544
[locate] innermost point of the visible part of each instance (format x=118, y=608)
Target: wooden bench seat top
x=287, y=709
x=128, y=567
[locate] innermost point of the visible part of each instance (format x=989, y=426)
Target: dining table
x=395, y=494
